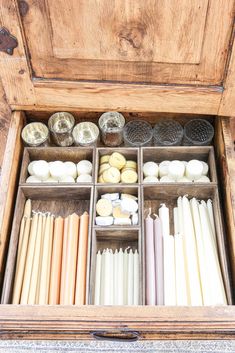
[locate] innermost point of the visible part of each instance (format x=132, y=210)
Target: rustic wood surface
x=5, y=117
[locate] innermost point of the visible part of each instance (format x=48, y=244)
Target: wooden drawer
x=143, y=322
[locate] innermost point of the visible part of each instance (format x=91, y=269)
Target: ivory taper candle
x=27, y=213
x=42, y=297
x=169, y=270
x=136, y=278
x=64, y=257
x=115, y=277
x=102, y=277
x=111, y=275
x=29, y=260
x=40, y=258
x=150, y=262
x=36, y=259
x=54, y=293
x=158, y=250
x=28, y=208
x=107, y=278
x=212, y=220
x=218, y=295
x=21, y=264
x=97, y=278
x=82, y=260
x=49, y=257
x=125, y=277
x=164, y=217
x=120, y=278
x=21, y=235
x=191, y=255
x=130, y=282
x=71, y=260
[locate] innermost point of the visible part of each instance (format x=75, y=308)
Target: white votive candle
x=57, y=170
x=163, y=168
x=84, y=167
x=41, y=170
x=150, y=169
x=176, y=169
x=71, y=169
x=205, y=168
x=194, y=169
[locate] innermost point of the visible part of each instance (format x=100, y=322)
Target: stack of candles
x=183, y=269
x=51, y=259
x=117, y=277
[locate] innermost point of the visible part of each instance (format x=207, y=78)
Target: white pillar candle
x=130, y=282
x=176, y=169
x=205, y=168
x=97, y=279
x=211, y=218
x=150, y=169
x=191, y=255
x=201, y=252
x=125, y=272
x=136, y=278
x=169, y=270
x=194, y=169
x=41, y=170
x=215, y=279
x=180, y=272
x=164, y=217
x=71, y=169
x=57, y=170
x=163, y=168
x=120, y=278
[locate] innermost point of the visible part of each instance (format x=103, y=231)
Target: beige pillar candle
x=54, y=293
x=19, y=275
x=215, y=279
x=191, y=255
x=36, y=260
x=169, y=270
x=42, y=298
x=97, y=278
x=71, y=259
x=130, y=282
x=64, y=259
x=29, y=260
x=80, y=296
x=136, y=278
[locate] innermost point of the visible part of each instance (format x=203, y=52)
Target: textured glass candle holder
x=198, y=132
x=35, y=134
x=61, y=125
x=167, y=132
x=85, y=134
x=111, y=125
x=138, y=133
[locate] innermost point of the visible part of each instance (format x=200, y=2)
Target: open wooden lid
x=128, y=55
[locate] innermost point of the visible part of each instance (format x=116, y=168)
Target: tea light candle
x=84, y=167
x=194, y=169
x=57, y=170
x=150, y=169
x=176, y=169
x=41, y=170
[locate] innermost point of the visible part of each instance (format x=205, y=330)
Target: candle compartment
x=115, y=239
x=61, y=201
x=51, y=154
x=129, y=153
x=160, y=154
x=131, y=190
x=153, y=197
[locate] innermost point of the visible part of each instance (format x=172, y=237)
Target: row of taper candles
x=183, y=269
x=117, y=277
x=51, y=259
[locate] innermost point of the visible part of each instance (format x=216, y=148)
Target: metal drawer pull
x=118, y=336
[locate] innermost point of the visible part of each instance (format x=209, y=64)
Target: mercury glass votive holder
x=61, y=126
x=35, y=134
x=86, y=134
x=111, y=125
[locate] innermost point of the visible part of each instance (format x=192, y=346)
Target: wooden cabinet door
x=115, y=51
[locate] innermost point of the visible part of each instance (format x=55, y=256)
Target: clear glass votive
x=137, y=133
x=167, y=132
x=85, y=134
x=198, y=132
x=61, y=126
x=35, y=134
x=111, y=125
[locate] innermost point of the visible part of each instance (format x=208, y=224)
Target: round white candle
x=163, y=168
x=67, y=179
x=57, y=170
x=150, y=179
x=166, y=179
x=84, y=178
x=71, y=169
x=41, y=170
x=50, y=180
x=84, y=167
x=130, y=282
x=150, y=169
x=176, y=169
x=164, y=217
x=30, y=168
x=136, y=278
x=194, y=169
x=205, y=168
x=203, y=179
x=33, y=179
x=97, y=278
x=184, y=180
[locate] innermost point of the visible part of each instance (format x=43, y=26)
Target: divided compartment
x=153, y=197
x=61, y=201
x=115, y=239
x=51, y=154
x=117, y=188
x=181, y=153
x=129, y=153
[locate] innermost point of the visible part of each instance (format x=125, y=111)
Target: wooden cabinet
x=147, y=59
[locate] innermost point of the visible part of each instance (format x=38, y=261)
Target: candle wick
x=156, y=215
x=149, y=212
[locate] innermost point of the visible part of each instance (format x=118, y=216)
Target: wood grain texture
x=9, y=177
x=128, y=97
x=5, y=117
x=154, y=41
x=71, y=322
